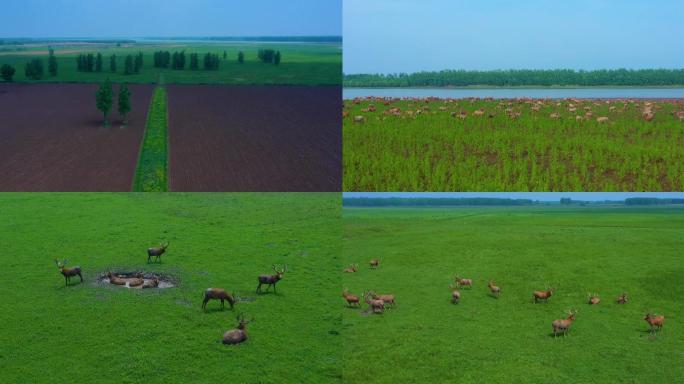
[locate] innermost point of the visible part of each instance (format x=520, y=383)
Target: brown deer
x=218, y=294
x=271, y=280
x=622, y=299
x=387, y=299
x=156, y=252
x=563, y=325
x=378, y=306
x=68, y=273
x=463, y=282
x=455, y=295
x=130, y=282
x=656, y=322
x=238, y=335
x=351, y=299
x=594, y=298
x=375, y=263
x=352, y=268
x=542, y=295
x=495, y=289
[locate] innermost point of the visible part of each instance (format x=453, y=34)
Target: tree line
x=88, y=62
x=512, y=78
x=269, y=56
x=417, y=201
x=104, y=100
x=652, y=201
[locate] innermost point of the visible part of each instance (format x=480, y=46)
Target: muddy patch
x=137, y=280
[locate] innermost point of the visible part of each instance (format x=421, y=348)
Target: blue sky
x=139, y=18
x=541, y=196
x=390, y=36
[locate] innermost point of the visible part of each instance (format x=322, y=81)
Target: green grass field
x=151, y=174
x=57, y=334
x=302, y=64
x=418, y=145
x=428, y=339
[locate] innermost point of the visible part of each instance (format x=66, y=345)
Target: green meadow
x=576, y=250
x=302, y=64
x=52, y=333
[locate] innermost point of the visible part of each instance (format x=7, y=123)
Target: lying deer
x=218, y=294
x=352, y=268
x=563, y=325
x=622, y=299
x=238, y=335
x=378, y=306
x=386, y=299
x=594, y=299
x=656, y=322
x=153, y=283
x=495, y=289
x=156, y=252
x=542, y=295
x=463, y=282
x=68, y=273
x=351, y=299
x=131, y=282
x=271, y=280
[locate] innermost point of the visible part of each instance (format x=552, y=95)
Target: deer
x=238, y=335
x=68, y=273
x=622, y=299
x=463, y=282
x=352, y=268
x=495, y=289
x=387, y=299
x=656, y=322
x=131, y=282
x=218, y=294
x=351, y=299
x=601, y=119
x=156, y=252
x=378, y=306
x=153, y=283
x=271, y=280
x=542, y=295
x=594, y=298
x=455, y=295
x=375, y=263
x=563, y=325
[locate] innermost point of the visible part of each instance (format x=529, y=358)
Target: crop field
x=302, y=64
x=272, y=138
x=53, y=333
x=152, y=172
x=513, y=145
x=52, y=139
x=427, y=338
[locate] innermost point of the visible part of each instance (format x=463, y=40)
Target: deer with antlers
x=655, y=322
x=271, y=280
x=351, y=299
x=593, y=298
x=238, y=335
x=68, y=273
x=157, y=252
x=496, y=290
x=352, y=268
x=463, y=282
x=622, y=299
x=542, y=295
x=388, y=300
x=218, y=294
x=563, y=325
x=378, y=306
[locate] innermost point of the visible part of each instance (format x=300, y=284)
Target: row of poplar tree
x=88, y=62
x=104, y=99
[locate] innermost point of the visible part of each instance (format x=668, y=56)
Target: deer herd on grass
x=233, y=336
x=379, y=303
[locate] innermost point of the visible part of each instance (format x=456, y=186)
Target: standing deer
x=352, y=268
x=463, y=282
x=563, y=325
x=271, y=280
x=218, y=294
x=495, y=289
x=68, y=272
x=594, y=298
x=656, y=322
x=375, y=263
x=378, y=306
x=455, y=294
x=157, y=252
x=542, y=295
x=622, y=299
x=351, y=299
x=386, y=299
x=238, y=335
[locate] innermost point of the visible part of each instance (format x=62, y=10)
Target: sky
x=168, y=18
x=541, y=196
x=393, y=36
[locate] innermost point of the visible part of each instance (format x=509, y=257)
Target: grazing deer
x=375, y=263
x=463, y=282
x=656, y=322
x=271, y=280
x=495, y=289
x=622, y=299
x=218, y=294
x=542, y=295
x=563, y=325
x=387, y=299
x=352, y=268
x=68, y=272
x=378, y=306
x=593, y=298
x=238, y=335
x=156, y=252
x=351, y=299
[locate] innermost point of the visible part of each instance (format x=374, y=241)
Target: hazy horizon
x=395, y=36
x=540, y=196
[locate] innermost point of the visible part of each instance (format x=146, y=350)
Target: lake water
x=510, y=93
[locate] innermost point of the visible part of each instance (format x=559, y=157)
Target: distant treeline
x=417, y=201
x=513, y=78
x=652, y=201
x=274, y=39
x=22, y=41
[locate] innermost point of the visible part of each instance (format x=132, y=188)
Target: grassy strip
x=152, y=172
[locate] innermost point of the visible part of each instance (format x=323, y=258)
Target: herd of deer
x=378, y=303
x=233, y=336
